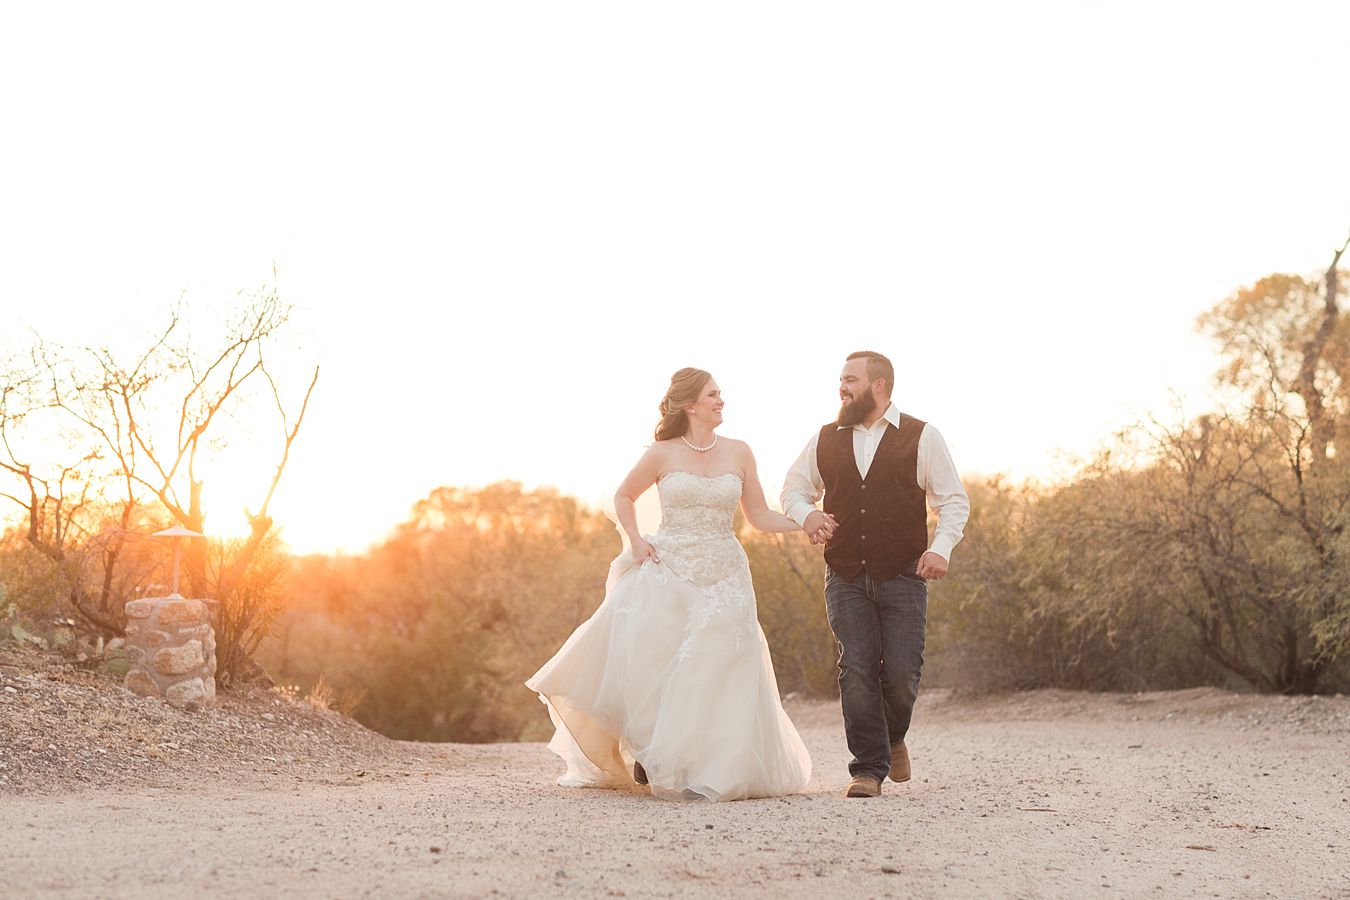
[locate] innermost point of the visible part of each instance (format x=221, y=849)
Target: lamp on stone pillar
x=171, y=646
x=174, y=533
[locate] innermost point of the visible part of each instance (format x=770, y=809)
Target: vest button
x=864, y=537
x=862, y=510
x=864, y=562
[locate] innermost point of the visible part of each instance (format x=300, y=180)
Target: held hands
x=819, y=526
x=643, y=552
x=931, y=566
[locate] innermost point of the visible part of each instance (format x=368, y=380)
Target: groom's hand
x=819, y=526
x=931, y=566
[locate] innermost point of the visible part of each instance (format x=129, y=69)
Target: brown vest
x=883, y=519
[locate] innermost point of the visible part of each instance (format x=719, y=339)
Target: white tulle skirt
x=701, y=715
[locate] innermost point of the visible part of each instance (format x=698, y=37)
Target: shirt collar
x=892, y=415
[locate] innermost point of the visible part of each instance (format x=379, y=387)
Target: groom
x=879, y=471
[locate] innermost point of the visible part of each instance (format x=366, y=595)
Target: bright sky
x=506, y=224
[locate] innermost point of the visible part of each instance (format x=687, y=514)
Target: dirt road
x=1045, y=795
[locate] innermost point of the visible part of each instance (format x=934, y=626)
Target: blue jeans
x=880, y=629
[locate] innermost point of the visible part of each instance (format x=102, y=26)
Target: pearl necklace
x=699, y=449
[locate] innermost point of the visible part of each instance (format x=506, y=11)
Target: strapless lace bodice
x=702, y=505
x=696, y=542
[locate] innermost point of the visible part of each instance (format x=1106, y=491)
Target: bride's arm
x=753, y=504
x=643, y=476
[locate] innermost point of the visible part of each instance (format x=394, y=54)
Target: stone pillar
x=171, y=650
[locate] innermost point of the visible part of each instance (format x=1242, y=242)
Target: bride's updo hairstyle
x=686, y=386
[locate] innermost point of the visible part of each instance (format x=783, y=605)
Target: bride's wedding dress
x=673, y=670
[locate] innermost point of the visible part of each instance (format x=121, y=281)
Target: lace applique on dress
x=697, y=543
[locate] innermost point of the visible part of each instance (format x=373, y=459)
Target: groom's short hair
x=878, y=366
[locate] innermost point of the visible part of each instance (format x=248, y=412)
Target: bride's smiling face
x=707, y=410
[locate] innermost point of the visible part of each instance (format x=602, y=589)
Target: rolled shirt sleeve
x=803, y=487
x=938, y=477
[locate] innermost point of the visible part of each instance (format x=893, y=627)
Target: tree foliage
x=101, y=446
x=1205, y=550
x=434, y=631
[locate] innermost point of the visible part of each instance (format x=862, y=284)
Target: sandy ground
x=1195, y=793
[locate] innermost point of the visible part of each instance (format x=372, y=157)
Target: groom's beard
x=856, y=410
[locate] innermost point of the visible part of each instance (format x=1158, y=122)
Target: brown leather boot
x=639, y=773
x=900, y=762
x=864, y=786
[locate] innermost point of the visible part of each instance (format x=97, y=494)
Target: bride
x=672, y=673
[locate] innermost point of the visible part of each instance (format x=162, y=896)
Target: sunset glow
x=504, y=227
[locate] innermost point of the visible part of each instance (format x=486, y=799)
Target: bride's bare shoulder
x=739, y=446
x=660, y=451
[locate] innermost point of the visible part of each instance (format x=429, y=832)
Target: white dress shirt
x=937, y=475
